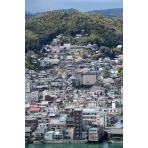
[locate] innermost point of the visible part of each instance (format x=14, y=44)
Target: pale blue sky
x=81, y=5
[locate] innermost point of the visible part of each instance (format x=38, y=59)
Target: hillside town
x=70, y=98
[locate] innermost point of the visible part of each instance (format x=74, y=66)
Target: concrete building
x=70, y=122
x=48, y=135
x=88, y=78
x=112, y=110
x=113, y=104
x=28, y=86
x=121, y=90
x=78, y=123
x=58, y=135
x=31, y=122
x=89, y=113
x=69, y=132
x=102, y=118
x=115, y=134
x=95, y=133
x=119, y=47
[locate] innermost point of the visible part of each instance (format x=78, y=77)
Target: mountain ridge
x=114, y=12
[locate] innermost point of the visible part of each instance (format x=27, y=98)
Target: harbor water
x=104, y=145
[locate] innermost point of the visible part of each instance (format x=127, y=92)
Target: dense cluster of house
x=74, y=99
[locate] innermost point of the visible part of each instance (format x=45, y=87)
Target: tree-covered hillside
x=104, y=31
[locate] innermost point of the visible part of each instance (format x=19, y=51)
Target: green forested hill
x=101, y=30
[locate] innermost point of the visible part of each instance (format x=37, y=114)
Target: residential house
x=69, y=132
x=39, y=133
x=58, y=135
x=59, y=124
x=67, y=45
x=31, y=122
x=54, y=61
x=113, y=73
x=119, y=47
x=52, y=110
x=48, y=135
x=27, y=133
x=42, y=125
x=28, y=86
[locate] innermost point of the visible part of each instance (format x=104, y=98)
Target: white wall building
x=28, y=86
x=52, y=110
x=69, y=132
x=45, y=93
x=112, y=110
x=93, y=134
x=102, y=118
x=121, y=89
x=113, y=104
x=49, y=135
x=67, y=45
x=42, y=125
x=89, y=114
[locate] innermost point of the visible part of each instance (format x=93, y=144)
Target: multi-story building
x=28, y=86
x=102, y=118
x=78, y=122
x=95, y=133
x=89, y=114
x=31, y=122
x=70, y=122
x=88, y=78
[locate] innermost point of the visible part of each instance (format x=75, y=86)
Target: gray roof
x=116, y=131
x=70, y=119
x=49, y=132
x=40, y=131
x=78, y=109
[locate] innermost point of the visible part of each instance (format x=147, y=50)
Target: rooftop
x=115, y=131
x=78, y=109
x=34, y=109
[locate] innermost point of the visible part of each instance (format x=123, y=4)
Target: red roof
x=34, y=109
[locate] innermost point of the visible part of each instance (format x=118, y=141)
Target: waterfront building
x=95, y=133
x=78, y=123
x=48, y=135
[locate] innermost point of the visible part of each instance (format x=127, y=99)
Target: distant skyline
x=35, y=6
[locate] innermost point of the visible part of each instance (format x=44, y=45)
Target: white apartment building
x=90, y=113
x=93, y=134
